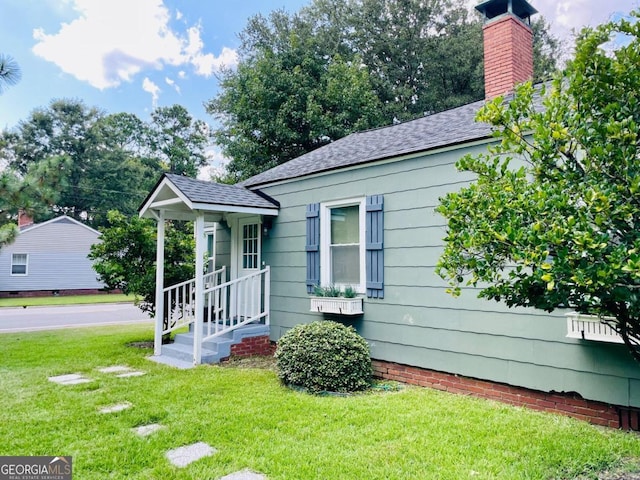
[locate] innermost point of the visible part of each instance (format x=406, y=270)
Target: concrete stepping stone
x=146, y=430
x=118, y=407
x=135, y=373
x=115, y=369
x=244, y=475
x=69, y=379
x=183, y=456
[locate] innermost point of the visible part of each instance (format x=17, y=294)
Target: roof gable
x=63, y=219
x=184, y=195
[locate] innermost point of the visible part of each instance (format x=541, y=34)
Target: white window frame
x=211, y=258
x=325, y=241
x=26, y=265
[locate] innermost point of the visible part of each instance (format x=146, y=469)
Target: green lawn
x=257, y=424
x=65, y=300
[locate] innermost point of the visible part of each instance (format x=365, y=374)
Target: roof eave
x=369, y=161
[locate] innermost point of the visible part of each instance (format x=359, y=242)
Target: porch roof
x=180, y=197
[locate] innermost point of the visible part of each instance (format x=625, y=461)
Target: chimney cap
x=494, y=8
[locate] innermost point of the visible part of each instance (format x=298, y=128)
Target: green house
x=360, y=212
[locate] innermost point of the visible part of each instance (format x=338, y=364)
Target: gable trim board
x=60, y=219
x=179, y=196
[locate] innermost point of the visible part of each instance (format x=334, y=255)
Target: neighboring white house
x=49, y=257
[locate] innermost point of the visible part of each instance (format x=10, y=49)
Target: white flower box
x=337, y=305
x=589, y=327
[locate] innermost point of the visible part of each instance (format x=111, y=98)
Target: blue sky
x=121, y=55
x=133, y=55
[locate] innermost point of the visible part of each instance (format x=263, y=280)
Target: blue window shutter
x=374, y=246
x=313, y=246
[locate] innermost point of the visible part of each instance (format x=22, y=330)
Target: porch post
x=157, y=340
x=267, y=295
x=201, y=241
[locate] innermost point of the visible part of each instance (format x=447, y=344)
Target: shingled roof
x=451, y=127
x=200, y=191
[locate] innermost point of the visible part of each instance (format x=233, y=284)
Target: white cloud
x=182, y=74
x=153, y=89
x=172, y=83
x=179, y=15
x=111, y=42
x=568, y=16
x=207, y=64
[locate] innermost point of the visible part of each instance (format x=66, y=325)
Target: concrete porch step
x=180, y=353
x=184, y=352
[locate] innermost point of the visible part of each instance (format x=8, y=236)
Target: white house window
x=211, y=253
x=19, y=262
x=250, y=245
x=343, y=245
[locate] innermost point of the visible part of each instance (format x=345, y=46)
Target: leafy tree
x=552, y=219
x=288, y=97
x=33, y=193
x=111, y=161
x=340, y=66
x=125, y=257
x=178, y=140
x=10, y=73
x=546, y=51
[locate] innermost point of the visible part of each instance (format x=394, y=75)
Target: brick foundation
x=252, y=346
x=570, y=404
x=57, y=293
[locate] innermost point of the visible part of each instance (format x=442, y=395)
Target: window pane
x=345, y=225
x=19, y=269
x=345, y=264
x=19, y=264
x=250, y=246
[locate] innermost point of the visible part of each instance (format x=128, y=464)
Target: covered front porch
x=228, y=299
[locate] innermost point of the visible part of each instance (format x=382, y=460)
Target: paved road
x=50, y=318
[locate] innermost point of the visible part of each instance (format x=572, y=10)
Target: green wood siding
x=417, y=323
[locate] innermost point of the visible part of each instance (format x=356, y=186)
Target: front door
x=248, y=262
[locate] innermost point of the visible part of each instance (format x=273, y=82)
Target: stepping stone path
x=146, y=430
x=118, y=407
x=122, y=371
x=115, y=369
x=130, y=374
x=179, y=457
x=183, y=456
x=244, y=475
x=70, y=379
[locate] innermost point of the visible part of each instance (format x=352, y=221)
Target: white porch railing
x=238, y=302
x=180, y=300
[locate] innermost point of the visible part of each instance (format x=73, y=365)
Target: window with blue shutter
x=375, y=246
x=337, y=262
x=313, y=246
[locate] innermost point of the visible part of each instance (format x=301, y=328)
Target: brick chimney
x=24, y=220
x=508, y=45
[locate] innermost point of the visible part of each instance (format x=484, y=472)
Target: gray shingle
x=442, y=129
x=200, y=191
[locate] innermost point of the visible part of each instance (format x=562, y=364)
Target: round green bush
x=324, y=356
